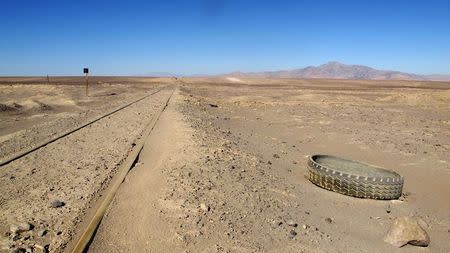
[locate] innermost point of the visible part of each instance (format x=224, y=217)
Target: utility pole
x=86, y=76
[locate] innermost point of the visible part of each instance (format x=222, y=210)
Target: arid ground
x=224, y=168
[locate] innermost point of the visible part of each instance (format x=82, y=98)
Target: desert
x=224, y=166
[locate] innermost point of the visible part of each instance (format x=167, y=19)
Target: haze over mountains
x=337, y=70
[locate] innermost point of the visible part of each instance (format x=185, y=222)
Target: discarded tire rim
x=354, y=178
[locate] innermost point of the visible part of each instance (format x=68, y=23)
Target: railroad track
x=82, y=244
x=70, y=131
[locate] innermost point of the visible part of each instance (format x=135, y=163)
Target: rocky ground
x=47, y=193
x=33, y=113
x=399, y=128
x=234, y=179
x=224, y=169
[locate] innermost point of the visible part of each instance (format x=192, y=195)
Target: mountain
x=337, y=70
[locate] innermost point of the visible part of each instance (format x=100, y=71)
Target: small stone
x=291, y=223
x=305, y=226
x=41, y=249
x=15, y=237
x=42, y=232
x=276, y=156
x=57, y=203
x=292, y=234
x=388, y=209
x=20, y=227
x=329, y=220
x=204, y=207
x=406, y=230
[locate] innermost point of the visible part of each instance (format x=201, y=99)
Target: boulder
x=406, y=230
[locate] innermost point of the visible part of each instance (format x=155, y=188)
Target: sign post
x=86, y=76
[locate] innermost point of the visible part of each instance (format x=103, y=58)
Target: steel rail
x=89, y=233
x=55, y=138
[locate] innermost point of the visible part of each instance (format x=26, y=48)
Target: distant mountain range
x=337, y=70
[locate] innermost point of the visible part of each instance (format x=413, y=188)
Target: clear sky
x=189, y=37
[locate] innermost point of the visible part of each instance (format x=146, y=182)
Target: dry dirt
x=224, y=169
x=74, y=169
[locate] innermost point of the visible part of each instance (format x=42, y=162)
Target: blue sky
x=188, y=37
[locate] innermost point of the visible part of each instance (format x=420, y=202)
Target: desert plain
x=223, y=169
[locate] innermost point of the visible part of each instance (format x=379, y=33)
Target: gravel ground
x=53, y=187
x=26, y=127
x=257, y=140
x=224, y=170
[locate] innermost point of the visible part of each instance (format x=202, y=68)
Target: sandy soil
x=236, y=183
x=32, y=112
x=224, y=169
x=73, y=170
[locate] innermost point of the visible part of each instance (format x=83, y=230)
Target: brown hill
x=336, y=70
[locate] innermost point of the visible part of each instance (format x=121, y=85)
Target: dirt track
x=224, y=169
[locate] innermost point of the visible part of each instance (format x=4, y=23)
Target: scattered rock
x=42, y=232
x=20, y=227
x=388, y=209
x=291, y=223
x=406, y=230
x=305, y=226
x=57, y=203
x=213, y=105
x=329, y=220
x=204, y=207
x=292, y=234
x=41, y=249
x=276, y=156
